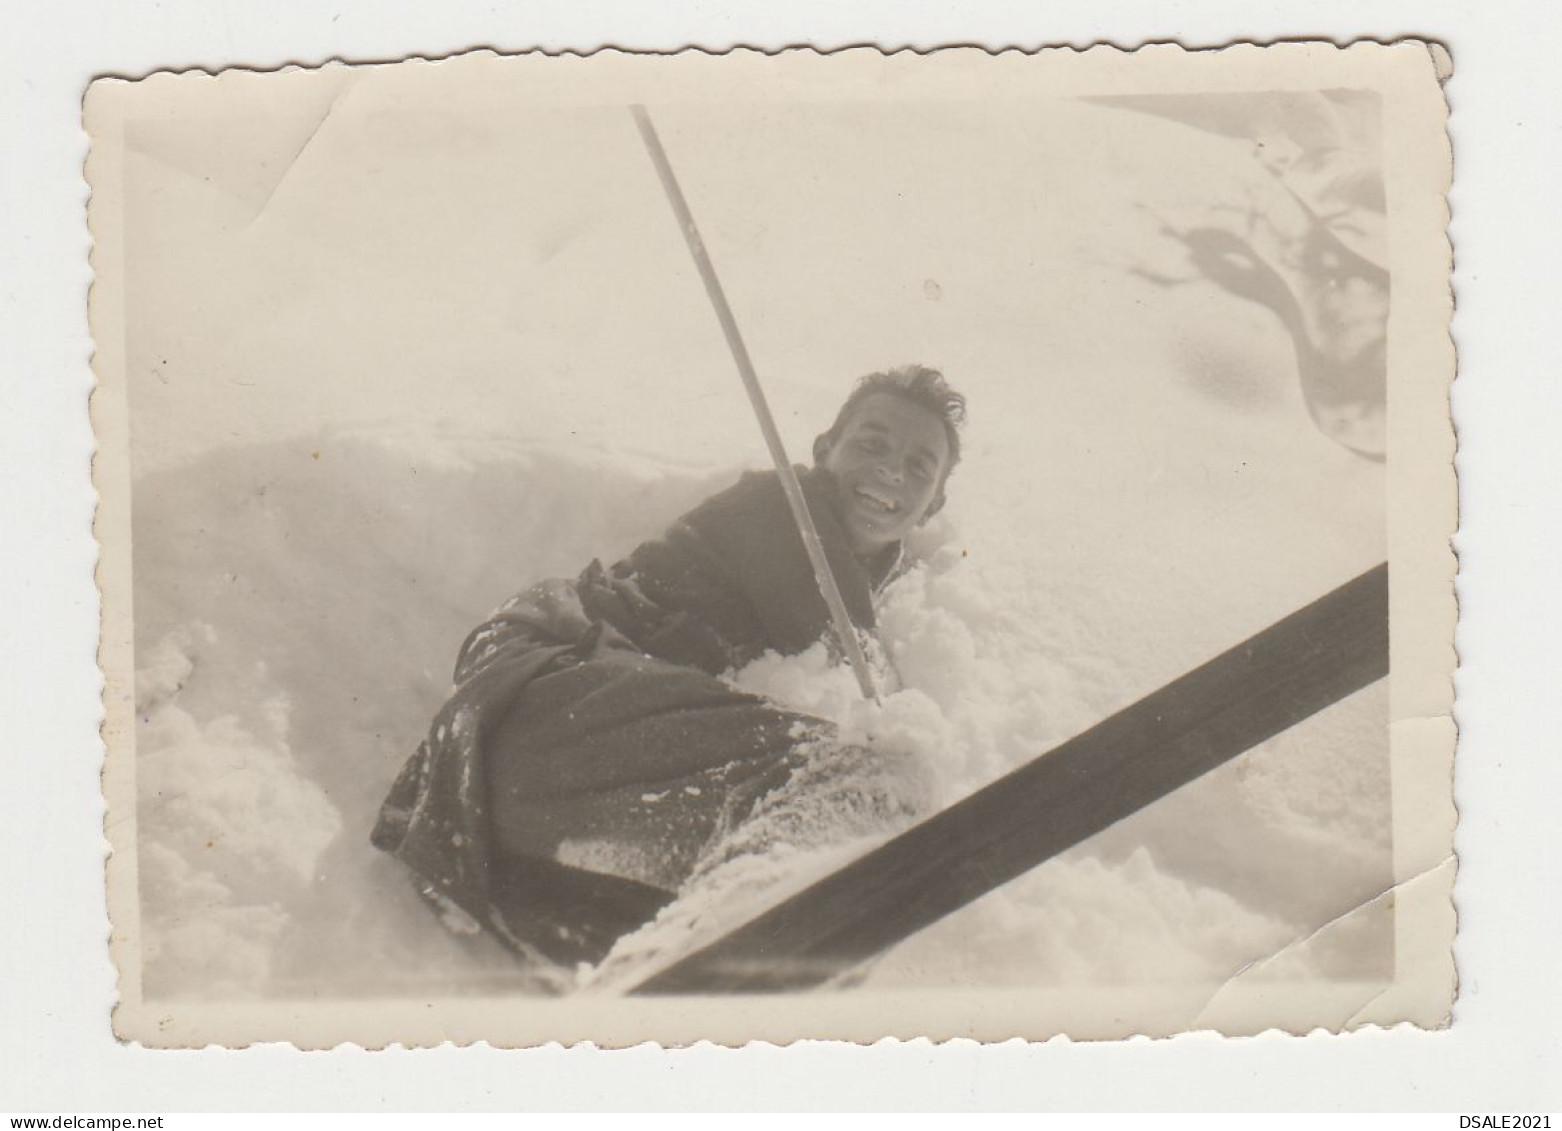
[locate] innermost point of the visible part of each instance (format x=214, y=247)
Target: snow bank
x=297, y=606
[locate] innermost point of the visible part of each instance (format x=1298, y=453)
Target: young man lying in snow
x=590, y=751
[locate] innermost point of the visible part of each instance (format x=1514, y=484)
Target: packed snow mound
x=230, y=831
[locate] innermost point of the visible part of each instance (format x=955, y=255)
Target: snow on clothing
x=589, y=751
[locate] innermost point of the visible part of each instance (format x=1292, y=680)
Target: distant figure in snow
x=590, y=752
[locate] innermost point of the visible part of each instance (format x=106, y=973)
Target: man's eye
x=870, y=446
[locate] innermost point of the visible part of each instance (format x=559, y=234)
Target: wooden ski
x=1310, y=660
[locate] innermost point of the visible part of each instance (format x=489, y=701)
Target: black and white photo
x=742, y=547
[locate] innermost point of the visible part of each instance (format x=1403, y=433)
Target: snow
x=232, y=832
x=1141, y=489
x=266, y=742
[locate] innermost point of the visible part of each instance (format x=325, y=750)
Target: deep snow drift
x=298, y=603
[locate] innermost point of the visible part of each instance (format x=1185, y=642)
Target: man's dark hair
x=918, y=384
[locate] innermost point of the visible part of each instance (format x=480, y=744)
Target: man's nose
x=892, y=473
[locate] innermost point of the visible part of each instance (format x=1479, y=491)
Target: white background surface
x=1505, y=1050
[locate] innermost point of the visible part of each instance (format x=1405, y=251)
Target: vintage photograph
x=639, y=547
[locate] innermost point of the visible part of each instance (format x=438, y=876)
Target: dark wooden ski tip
x=1310, y=660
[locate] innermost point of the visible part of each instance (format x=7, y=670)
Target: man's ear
x=822, y=445
x=933, y=508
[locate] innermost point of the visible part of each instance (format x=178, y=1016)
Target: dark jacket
x=580, y=696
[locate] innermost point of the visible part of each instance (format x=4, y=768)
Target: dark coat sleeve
x=733, y=578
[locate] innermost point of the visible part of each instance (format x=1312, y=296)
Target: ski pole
x=756, y=395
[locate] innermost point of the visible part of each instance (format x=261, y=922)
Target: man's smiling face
x=888, y=464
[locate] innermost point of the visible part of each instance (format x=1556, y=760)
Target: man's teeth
x=889, y=506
